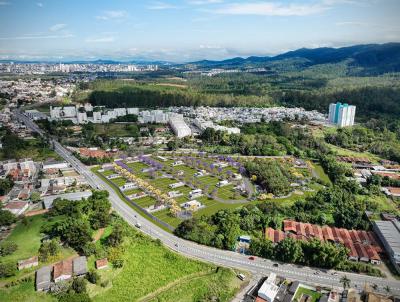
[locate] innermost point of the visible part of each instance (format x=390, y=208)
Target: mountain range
x=368, y=59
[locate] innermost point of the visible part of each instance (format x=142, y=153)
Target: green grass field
x=117, y=130
x=24, y=292
x=222, y=284
x=148, y=267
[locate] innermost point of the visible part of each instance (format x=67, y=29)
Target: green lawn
x=305, y=291
x=27, y=237
x=319, y=171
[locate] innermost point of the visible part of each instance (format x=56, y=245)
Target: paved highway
x=258, y=266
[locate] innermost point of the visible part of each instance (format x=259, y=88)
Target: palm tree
x=345, y=281
x=387, y=289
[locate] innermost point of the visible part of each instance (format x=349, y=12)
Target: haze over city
x=187, y=30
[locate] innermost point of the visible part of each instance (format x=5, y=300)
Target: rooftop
x=390, y=230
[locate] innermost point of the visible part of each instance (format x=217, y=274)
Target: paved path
x=209, y=254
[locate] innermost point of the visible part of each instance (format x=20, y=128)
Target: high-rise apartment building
x=342, y=114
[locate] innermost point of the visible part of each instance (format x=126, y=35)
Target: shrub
x=7, y=269
x=7, y=248
x=93, y=277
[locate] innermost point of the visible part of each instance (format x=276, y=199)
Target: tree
x=35, y=197
x=76, y=233
x=262, y=248
x=116, y=237
x=6, y=185
x=48, y=249
x=289, y=250
x=7, y=218
x=345, y=281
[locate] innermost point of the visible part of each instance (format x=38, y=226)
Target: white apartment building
x=179, y=126
x=342, y=114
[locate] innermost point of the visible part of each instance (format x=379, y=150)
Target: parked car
x=251, y=258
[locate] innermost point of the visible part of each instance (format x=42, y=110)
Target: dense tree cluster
x=6, y=185
x=370, y=101
x=79, y=218
x=383, y=143
x=271, y=175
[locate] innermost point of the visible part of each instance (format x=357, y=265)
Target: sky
x=188, y=30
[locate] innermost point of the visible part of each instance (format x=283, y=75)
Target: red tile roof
x=352, y=249
x=371, y=252
x=327, y=232
x=62, y=268
x=362, y=253
x=289, y=226
x=101, y=263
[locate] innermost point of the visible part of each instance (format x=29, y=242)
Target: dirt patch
x=98, y=235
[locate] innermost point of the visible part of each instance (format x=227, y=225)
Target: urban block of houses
x=55, y=180
x=204, y=124
x=363, y=245
x=20, y=171
x=61, y=271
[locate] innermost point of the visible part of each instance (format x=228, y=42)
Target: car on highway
x=251, y=258
x=275, y=265
x=138, y=225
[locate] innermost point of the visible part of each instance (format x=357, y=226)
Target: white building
x=203, y=125
x=179, y=126
x=342, y=114
x=55, y=165
x=269, y=289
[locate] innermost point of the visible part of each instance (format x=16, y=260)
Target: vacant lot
x=151, y=268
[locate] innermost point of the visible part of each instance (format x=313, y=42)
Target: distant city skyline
x=188, y=30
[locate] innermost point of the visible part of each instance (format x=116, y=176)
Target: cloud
x=352, y=23
x=37, y=37
x=4, y=3
x=113, y=15
x=279, y=8
x=204, y=2
x=105, y=39
x=161, y=6
x=40, y=4
x=271, y=9
x=57, y=27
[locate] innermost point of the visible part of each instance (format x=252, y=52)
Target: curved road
x=190, y=249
